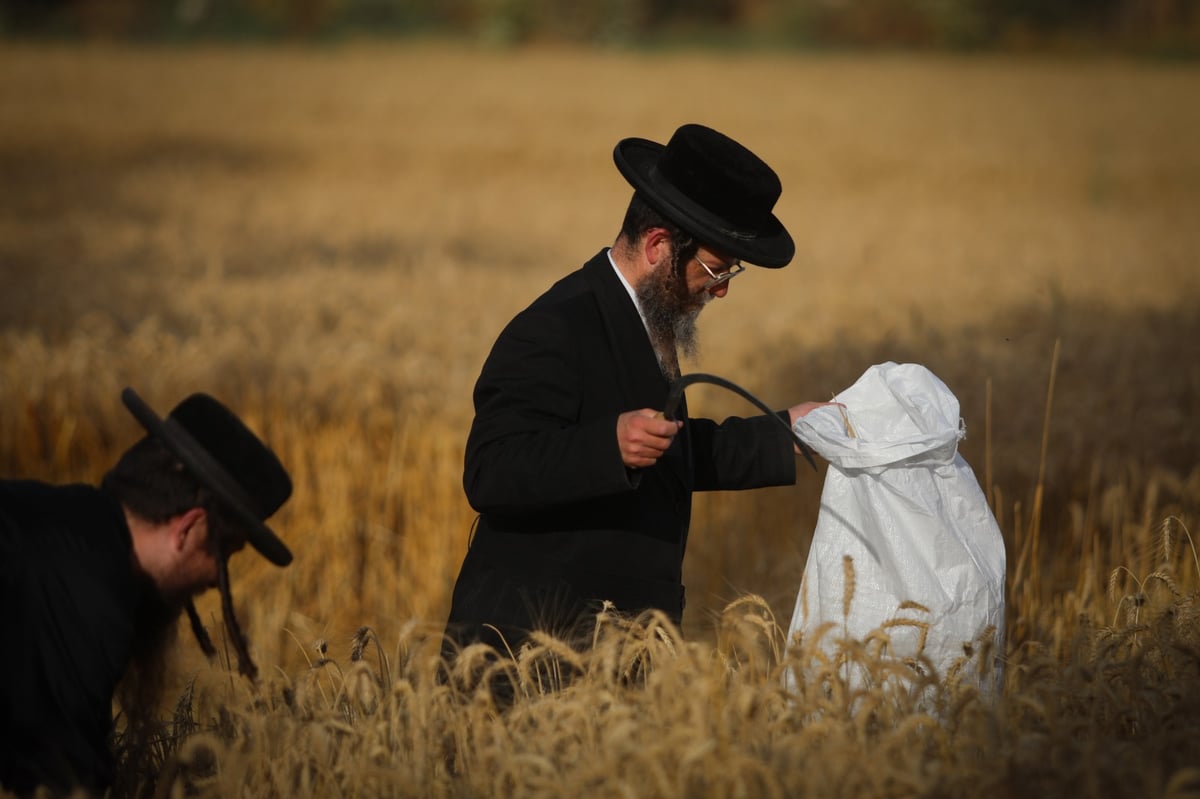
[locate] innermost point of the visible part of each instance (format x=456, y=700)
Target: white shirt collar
x=628, y=288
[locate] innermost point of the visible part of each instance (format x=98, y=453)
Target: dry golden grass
x=329, y=240
x=647, y=713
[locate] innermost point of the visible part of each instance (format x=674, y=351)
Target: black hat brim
x=771, y=246
x=210, y=472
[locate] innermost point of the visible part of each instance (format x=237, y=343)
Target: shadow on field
x=1126, y=396
x=91, y=216
x=111, y=227
x=117, y=228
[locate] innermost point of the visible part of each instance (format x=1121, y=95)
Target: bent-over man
x=92, y=580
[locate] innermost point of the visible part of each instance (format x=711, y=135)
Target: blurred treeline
x=1157, y=27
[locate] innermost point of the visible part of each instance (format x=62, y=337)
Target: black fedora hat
x=215, y=446
x=713, y=188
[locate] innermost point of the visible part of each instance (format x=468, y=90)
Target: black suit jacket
x=563, y=523
x=70, y=600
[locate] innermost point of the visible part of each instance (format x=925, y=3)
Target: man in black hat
x=582, y=486
x=93, y=579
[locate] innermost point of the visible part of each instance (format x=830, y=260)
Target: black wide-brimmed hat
x=713, y=188
x=215, y=446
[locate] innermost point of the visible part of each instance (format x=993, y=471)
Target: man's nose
x=719, y=290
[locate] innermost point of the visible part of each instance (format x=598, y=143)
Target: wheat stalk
x=1167, y=543
x=848, y=586
x=845, y=417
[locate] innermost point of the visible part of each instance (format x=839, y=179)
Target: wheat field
x=329, y=238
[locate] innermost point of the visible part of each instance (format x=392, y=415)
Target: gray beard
x=670, y=317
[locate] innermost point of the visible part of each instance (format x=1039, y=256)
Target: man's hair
x=152, y=483
x=640, y=217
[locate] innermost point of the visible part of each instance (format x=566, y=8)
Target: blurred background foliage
x=1163, y=28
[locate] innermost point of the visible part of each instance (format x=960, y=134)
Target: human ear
x=656, y=246
x=190, y=528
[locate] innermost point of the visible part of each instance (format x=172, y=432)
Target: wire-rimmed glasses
x=729, y=273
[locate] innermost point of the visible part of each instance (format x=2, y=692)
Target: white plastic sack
x=926, y=553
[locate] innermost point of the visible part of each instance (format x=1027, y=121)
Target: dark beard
x=670, y=312
x=142, y=745
x=154, y=632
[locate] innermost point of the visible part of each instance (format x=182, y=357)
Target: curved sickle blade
x=675, y=396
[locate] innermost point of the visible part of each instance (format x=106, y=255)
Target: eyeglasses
x=731, y=271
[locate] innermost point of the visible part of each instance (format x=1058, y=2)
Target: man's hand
x=644, y=436
x=803, y=409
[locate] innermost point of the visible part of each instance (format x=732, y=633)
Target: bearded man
x=583, y=487
x=92, y=580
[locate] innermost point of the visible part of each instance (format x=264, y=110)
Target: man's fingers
x=804, y=408
x=652, y=424
x=659, y=425
x=643, y=436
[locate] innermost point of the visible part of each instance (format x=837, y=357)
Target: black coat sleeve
x=529, y=448
x=741, y=453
